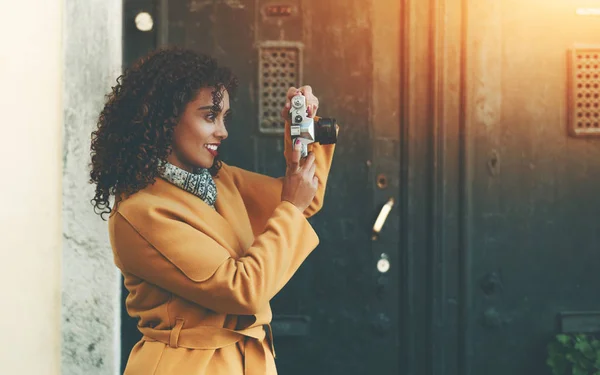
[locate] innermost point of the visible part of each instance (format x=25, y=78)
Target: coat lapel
x=231, y=208
x=201, y=216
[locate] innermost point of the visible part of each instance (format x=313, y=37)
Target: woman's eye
x=211, y=117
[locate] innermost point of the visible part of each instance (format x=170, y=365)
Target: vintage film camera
x=307, y=129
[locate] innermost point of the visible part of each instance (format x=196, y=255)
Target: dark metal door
x=533, y=230
x=503, y=165
x=340, y=312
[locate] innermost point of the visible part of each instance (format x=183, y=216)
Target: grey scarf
x=200, y=183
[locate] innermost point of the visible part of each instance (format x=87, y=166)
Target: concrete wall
x=91, y=284
x=30, y=220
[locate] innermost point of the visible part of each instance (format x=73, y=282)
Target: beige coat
x=200, y=280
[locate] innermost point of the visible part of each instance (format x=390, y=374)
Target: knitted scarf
x=200, y=183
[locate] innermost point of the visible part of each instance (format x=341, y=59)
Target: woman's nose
x=221, y=130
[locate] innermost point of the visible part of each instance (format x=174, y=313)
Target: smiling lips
x=212, y=148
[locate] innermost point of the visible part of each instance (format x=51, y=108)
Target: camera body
x=306, y=129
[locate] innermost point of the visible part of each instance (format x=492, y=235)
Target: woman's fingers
x=312, y=102
x=285, y=111
x=292, y=91
x=309, y=161
x=306, y=90
x=311, y=171
x=294, y=163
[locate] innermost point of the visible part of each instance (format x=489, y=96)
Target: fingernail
x=297, y=143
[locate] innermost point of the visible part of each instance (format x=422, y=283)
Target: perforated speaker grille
x=584, y=91
x=280, y=67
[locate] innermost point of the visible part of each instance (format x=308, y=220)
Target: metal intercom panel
x=584, y=91
x=279, y=67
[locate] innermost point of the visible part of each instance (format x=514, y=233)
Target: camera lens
x=325, y=132
x=298, y=119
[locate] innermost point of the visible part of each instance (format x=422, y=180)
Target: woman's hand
x=300, y=183
x=312, y=102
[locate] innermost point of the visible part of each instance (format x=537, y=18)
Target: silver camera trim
x=302, y=127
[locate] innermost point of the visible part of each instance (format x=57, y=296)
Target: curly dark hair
x=135, y=129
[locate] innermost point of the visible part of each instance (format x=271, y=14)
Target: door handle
x=381, y=218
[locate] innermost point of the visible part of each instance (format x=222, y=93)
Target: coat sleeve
x=261, y=194
x=174, y=256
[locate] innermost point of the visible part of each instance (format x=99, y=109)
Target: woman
x=202, y=246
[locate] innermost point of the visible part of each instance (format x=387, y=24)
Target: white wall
x=91, y=283
x=58, y=60
x=30, y=186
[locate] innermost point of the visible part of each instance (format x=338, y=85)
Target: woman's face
x=197, y=136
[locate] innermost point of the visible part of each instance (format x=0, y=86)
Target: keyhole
x=494, y=163
x=382, y=181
